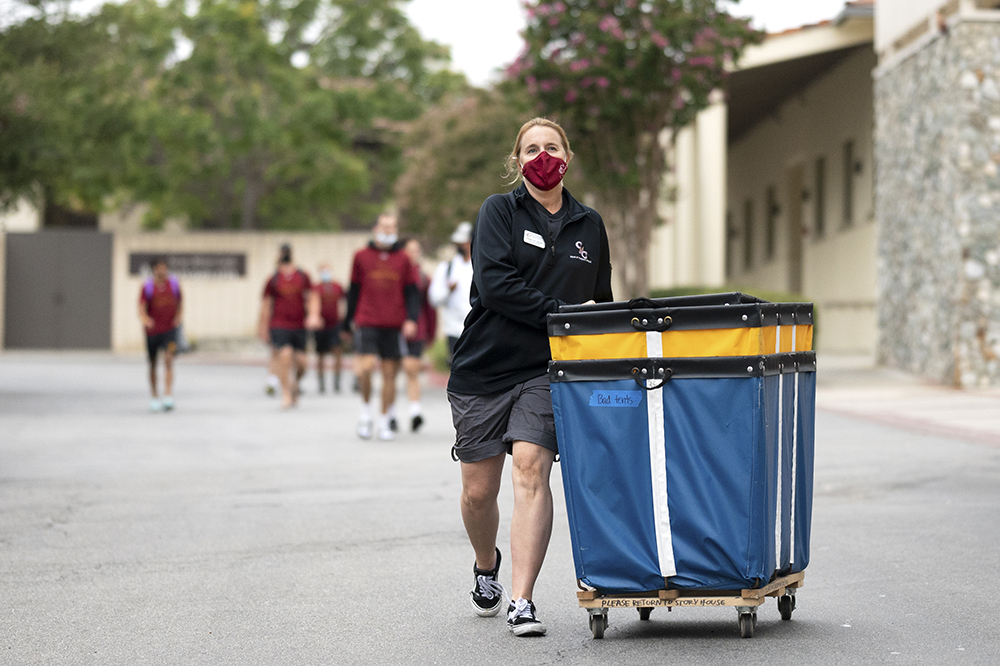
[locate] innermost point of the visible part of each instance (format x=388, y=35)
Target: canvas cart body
x=685, y=433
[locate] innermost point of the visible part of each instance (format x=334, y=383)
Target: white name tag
x=531, y=238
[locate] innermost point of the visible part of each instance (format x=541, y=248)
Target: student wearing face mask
x=383, y=305
x=533, y=249
x=288, y=307
x=326, y=339
x=451, y=284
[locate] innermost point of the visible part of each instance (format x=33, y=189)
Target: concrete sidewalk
x=853, y=386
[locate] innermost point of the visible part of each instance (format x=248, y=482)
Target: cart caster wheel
x=786, y=604
x=748, y=621
x=598, y=623
x=644, y=613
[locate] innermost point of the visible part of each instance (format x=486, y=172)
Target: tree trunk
x=630, y=215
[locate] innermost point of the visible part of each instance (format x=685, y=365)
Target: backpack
x=150, y=285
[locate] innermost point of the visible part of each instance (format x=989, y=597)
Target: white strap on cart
x=795, y=450
x=781, y=406
x=658, y=462
x=779, y=516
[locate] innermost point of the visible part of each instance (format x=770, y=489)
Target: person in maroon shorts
x=160, y=313
x=382, y=303
x=283, y=322
x=327, y=340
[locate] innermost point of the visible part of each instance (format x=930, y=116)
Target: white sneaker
x=155, y=405
x=364, y=429
x=168, y=403
x=385, y=433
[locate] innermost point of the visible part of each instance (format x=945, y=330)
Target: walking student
x=383, y=305
x=451, y=284
x=533, y=249
x=160, y=314
x=327, y=338
x=426, y=330
x=288, y=294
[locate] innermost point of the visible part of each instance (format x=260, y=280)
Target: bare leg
x=320, y=368
x=284, y=367
x=480, y=511
x=152, y=378
x=338, y=359
x=272, y=371
x=366, y=365
x=168, y=372
x=411, y=366
x=531, y=521
x=301, y=363
x=390, y=368
x=272, y=364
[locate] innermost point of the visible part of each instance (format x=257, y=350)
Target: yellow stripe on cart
x=694, y=343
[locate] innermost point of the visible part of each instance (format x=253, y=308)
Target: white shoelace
x=521, y=607
x=492, y=587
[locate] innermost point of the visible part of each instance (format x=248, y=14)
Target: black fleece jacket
x=520, y=274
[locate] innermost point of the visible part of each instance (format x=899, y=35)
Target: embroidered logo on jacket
x=581, y=254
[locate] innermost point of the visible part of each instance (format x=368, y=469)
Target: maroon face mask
x=544, y=172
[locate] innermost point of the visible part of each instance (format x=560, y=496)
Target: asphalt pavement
x=230, y=532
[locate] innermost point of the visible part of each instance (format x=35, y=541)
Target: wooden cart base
x=745, y=601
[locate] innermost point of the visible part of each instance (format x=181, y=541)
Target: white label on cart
x=616, y=398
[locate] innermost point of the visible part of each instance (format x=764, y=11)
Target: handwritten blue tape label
x=616, y=398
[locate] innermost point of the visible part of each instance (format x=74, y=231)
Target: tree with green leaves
x=455, y=159
x=240, y=138
x=245, y=114
x=287, y=115
x=620, y=75
x=68, y=107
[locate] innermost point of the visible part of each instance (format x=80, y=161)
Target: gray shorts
x=488, y=425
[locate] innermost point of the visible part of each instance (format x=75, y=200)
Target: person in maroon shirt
x=426, y=330
x=382, y=304
x=288, y=306
x=160, y=314
x=326, y=339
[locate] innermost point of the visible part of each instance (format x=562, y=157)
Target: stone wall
x=937, y=147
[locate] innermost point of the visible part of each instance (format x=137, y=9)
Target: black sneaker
x=418, y=421
x=521, y=619
x=393, y=426
x=488, y=593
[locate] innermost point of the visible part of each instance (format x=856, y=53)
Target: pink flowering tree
x=619, y=74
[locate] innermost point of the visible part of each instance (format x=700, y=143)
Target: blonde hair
x=513, y=167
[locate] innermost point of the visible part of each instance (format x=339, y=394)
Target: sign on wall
x=192, y=263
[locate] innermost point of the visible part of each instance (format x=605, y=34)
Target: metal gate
x=58, y=290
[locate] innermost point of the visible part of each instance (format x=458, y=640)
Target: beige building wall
x=689, y=247
x=894, y=18
x=219, y=308
x=838, y=267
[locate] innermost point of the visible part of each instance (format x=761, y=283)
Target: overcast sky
x=484, y=34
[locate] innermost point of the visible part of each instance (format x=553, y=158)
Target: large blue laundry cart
x=691, y=473
x=686, y=473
